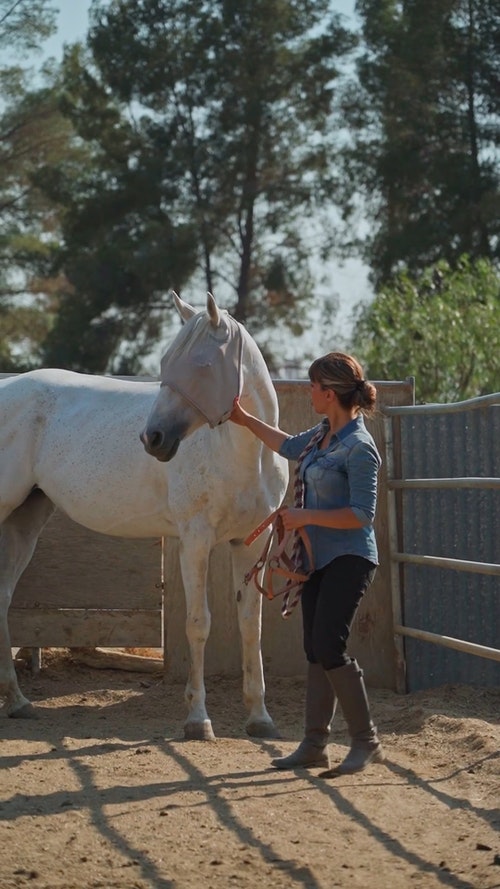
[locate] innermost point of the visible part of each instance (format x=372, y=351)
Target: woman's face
x=319, y=398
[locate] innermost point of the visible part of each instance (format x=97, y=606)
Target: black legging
x=329, y=601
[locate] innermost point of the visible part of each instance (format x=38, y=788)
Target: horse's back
x=58, y=381
x=76, y=436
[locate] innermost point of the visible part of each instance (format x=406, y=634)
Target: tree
x=42, y=318
x=32, y=132
x=440, y=326
x=25, y=24
x=120, y=252
x=425, y=123
x=208, y=130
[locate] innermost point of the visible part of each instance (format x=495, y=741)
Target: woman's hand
x=238, y=415
x=292, y=518
x=271, y=436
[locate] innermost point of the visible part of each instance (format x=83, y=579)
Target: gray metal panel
x=461, y=524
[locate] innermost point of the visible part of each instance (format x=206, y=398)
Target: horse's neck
x=258, y=395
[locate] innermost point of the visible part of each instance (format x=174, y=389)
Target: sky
x=349, y=281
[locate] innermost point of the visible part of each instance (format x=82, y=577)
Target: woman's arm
x=271, y=436
x=363, y=467
x=343, y=518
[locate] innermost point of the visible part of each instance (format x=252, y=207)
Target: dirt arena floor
x=103, y=791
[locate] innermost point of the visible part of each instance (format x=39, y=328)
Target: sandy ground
x=103, y=791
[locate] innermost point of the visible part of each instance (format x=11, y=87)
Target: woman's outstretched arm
x=271, y=436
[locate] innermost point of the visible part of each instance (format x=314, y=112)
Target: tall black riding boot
x=349, y=687
x=320, y=708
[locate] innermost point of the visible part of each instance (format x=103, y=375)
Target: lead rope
x=280, y=564
x=298, y=502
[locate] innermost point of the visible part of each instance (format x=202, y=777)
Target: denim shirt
x=342, y=475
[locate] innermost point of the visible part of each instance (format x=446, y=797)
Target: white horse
x=71, y=441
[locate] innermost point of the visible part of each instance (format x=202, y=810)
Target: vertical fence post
x=395, y=568
x=161, y=586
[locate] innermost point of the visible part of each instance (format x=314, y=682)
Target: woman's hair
x=344, y=375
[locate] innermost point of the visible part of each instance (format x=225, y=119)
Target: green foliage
x=207, y=126
x=119, y=251
x=424, y=117
x=25, y=24
x=440, y=326
x=189, y=145
x=32, y=132
x=33, y=136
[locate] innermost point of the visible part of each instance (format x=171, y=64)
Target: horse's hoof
x=199, y=731
x=27, y=711
x=262, y=729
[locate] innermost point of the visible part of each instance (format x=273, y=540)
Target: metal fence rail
x=399, y=558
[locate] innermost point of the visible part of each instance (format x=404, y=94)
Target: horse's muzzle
x=159, y=445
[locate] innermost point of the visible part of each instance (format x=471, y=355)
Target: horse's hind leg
x=249, y=603
x=18, y=536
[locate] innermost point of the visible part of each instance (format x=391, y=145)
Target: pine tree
x=426, y=131
x=208, y=127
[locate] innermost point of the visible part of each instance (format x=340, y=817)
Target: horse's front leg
x=194, y=552
x=249, y=604
x=18, y=536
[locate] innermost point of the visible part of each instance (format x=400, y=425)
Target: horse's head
x=200, y=377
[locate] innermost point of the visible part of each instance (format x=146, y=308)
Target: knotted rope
x=279, y=563
x=298, y=502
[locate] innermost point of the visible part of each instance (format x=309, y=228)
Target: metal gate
x=443, y=463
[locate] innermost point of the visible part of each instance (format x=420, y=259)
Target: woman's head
x=344, y=375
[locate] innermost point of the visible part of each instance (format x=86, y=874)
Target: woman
x=336, y=479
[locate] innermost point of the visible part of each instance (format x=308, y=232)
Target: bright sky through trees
x=348, y=281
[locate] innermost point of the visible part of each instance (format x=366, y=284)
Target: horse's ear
x=213, y=310
x=185, y=310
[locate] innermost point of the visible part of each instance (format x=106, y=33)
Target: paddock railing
x=399, y=509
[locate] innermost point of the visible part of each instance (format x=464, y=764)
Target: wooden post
x=36, y=661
